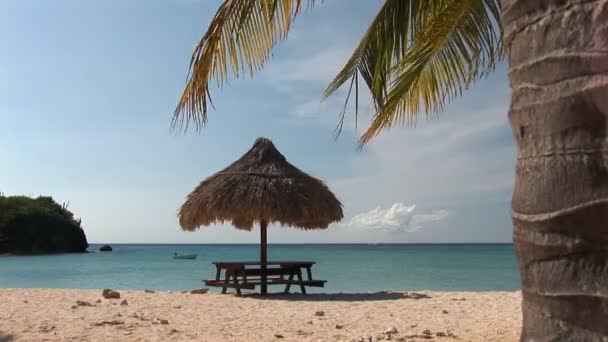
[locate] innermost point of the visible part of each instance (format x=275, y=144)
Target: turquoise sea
x=347, y=267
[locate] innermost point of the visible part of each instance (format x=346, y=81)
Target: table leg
x=302, y=287
x=226, y=280
x=309, y=273
x=236, y=284
x=218, y=273
x=288, y=287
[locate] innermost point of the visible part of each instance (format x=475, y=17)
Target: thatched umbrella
x=262, y=186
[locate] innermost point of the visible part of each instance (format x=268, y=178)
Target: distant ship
x=105, y=248
x=185, y=256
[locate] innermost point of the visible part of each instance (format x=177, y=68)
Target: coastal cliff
x=38, y=225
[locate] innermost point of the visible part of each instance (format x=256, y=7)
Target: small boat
x=185, y=256
x=105, y=248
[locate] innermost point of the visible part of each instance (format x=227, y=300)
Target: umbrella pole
x=263, y=255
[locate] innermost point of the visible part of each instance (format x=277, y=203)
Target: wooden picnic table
x=247, y=274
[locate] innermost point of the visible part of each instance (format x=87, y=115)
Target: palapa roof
x=262, y=184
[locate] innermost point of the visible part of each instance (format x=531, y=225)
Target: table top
x=245, y=263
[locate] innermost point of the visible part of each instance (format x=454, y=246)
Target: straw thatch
x=261, y=185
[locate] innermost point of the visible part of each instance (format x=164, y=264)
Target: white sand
x=46, y=315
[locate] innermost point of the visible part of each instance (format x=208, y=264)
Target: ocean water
x=347, y=267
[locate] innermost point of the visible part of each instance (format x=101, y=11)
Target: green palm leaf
x=420, y=54
x=239, y=40
x=460, y=45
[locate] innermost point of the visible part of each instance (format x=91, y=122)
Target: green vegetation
x=38, y=225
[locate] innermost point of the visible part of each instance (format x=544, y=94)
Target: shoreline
x=55, y=315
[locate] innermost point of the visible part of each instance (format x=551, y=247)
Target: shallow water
x=347, y=267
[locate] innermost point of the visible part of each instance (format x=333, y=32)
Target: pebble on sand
x=320, y=313
x=278, y=336
x=114, y=322
x=83, y=303
x=199, y=291
x=148, y=291
x=444, y=311
x=124, y=302
x=109, y=293
x=391, y=331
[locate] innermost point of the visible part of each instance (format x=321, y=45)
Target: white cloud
x=320, y=67
x=398, y=218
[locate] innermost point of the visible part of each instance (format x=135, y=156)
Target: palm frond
x=462, y=45
x=239, y=40
x=420, y=54
x=383, y=45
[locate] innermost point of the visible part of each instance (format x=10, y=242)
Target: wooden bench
x=246, y=275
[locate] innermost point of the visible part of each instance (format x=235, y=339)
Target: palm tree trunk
x=558, y=70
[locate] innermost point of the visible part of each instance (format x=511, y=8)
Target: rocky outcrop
x=38, y=225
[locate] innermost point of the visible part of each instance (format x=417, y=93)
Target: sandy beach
x=84, y=315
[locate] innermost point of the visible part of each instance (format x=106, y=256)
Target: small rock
x=25, y=301
x=444, y=311
x=320, y=313
x=108, y=293
x=440, y=334
x=83, y=303
x=426, y=332
x=163, y=321
x=119, y=315
x=98, y=301
x=413, y=325
x=173, y=331
x=148, y=291
x=177, y=307
x=124, y=302
x=114, y=322
x=73, y=307
x=199, y=291
x=338, y=326
x=391, y=331
x=309, y=322
x=278, y=336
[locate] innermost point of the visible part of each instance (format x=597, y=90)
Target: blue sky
x=88, y=90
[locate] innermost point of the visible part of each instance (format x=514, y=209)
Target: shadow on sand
x=338, y=297
x=5, y=337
